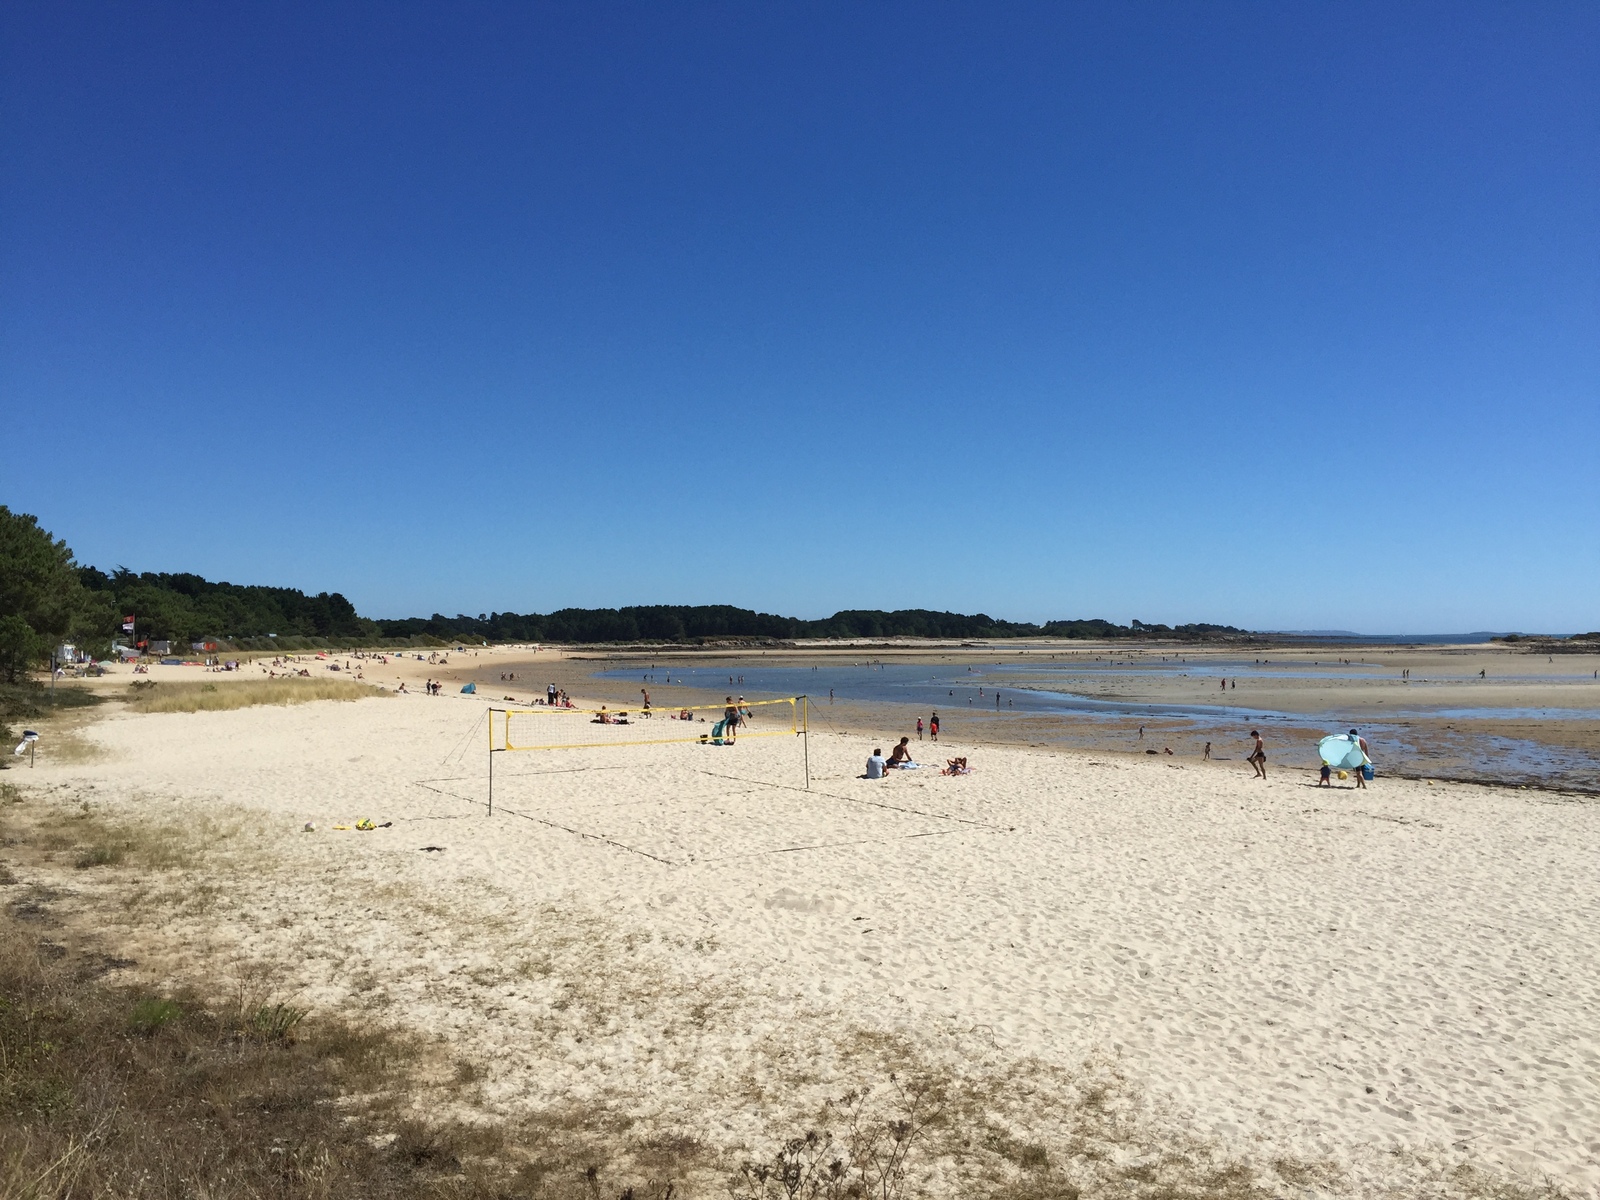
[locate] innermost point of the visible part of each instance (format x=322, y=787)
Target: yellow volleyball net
x=556, y=728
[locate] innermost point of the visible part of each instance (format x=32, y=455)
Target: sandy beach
x=1377, y=988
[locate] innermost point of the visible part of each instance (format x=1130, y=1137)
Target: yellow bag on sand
x=365, y=824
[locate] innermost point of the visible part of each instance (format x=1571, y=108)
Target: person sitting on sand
x=956, y=766
x=900, y=756
x=875, y=765
x=602, y=717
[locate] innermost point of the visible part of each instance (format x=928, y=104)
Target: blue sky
x=1285, y=316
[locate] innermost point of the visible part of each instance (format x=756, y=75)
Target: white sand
x=1330, y=974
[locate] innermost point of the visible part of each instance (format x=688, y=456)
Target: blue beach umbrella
x=1341, y=750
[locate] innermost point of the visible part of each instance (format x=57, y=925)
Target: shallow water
x=963, y=690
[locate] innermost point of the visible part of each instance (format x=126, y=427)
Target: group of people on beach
x=900, y=760
x=1258, y=760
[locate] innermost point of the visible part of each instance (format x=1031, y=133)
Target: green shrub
x=150, y=1015
x=275, y=1022
x=100, y=854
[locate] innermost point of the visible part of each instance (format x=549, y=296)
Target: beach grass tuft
x=210, y=697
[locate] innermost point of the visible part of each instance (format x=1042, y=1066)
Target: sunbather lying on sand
x=956, y=766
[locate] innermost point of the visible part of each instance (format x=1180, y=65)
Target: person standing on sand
x=1206, y=757
x=730, y=720
x=919, y=729
x=1258, y=756
x=933, y=728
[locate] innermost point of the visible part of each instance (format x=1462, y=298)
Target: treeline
x=47, y=597
x=186, y=608
x=718, y=622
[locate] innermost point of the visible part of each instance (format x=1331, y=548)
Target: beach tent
x=470, y=688
x=1340, y=750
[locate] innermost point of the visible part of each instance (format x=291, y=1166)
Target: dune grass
x=222, y=697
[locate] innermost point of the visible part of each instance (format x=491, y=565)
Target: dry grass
x=213, y=697
x=147, y=1090
x=110, y=1091
x=87, y=839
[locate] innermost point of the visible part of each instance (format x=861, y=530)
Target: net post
x=491, y=762
x=805, y=735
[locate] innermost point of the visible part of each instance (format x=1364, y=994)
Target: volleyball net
x=556, y=728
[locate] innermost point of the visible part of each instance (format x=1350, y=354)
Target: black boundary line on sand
x=826, y=846
x=524, y=774
x=595, y=837
x=916, y=812
x=695, y=862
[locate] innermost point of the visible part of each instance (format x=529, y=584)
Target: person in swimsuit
x=900, y=754
x=730, y=720
x=1258, y=756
